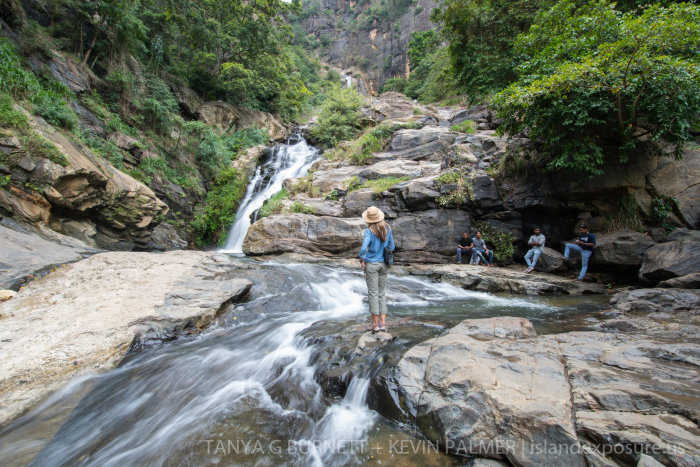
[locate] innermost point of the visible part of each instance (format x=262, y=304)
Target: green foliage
x=274, y=204
x=37, y=146
x=56, y=112
x=9, y=116
x=466, y=126
x=5, y=180
x=380, y=185
x=661, y=210
x=599, y=86
x=352, y=184
x=459, y=189
x=340, y=118
x=215, y=152
x=301, y=208
x=501, y=242
x=219, y=210
x=360, y=151
x=481, y=35
x=394, y=84
x=48, y=98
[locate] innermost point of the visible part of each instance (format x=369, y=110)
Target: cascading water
x=289, y=160
x=245, y=392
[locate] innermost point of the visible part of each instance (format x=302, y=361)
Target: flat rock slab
x=495, y=279
x=86, y=315
x=25, y=251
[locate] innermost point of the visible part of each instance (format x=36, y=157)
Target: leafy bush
x=380, y=185
x=339, y=119
x=466, y=126
x=459, y=194
x=56, y=112
x=501, y=242
x=49, y=98
x=273, y=205
x=219, y=210
x=9, y=116
x=301, y=208
x=599, y=86
x=37, y=146
x=481, y=35
x=373, y=140
x=353, y=183
x=394, y=84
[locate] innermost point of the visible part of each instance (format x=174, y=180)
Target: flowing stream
x=289, y=160
x=247, y=391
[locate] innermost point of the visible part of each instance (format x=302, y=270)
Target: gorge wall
x=369, y=35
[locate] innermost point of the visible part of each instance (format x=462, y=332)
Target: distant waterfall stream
x=289, y=160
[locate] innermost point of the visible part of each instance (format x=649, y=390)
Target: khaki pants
x=375, y=275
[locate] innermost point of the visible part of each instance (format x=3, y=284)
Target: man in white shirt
x=536, y=243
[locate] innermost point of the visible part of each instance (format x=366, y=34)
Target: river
x=248, y=391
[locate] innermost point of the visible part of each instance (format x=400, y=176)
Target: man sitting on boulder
x=464, y=246
x=536, y=243
x=584, y=244
x=480, y=251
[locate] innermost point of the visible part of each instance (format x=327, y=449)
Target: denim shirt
x=372, y=250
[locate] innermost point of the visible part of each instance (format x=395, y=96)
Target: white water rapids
x=249, y=379
x=290, y=160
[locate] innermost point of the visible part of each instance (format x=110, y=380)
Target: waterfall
x=289, y=160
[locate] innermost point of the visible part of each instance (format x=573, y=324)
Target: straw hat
x=373, y=214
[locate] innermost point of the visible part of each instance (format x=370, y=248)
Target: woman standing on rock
x=377, y=238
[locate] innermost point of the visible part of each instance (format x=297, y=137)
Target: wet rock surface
x=87, y=315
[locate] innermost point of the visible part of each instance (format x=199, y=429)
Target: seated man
x=536, y=243
x=480, y=251
x=464, y=246
x=584, y=244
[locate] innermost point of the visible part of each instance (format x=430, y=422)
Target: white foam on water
x=288, y=161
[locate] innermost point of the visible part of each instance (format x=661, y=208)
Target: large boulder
x=424, y=235
x=495, y=394
x=621, y=249
x=304, y=233
x=418, y=194
x=491, y=388
x=550, y=261
x=670, y=259
x=655, y=300
x=429, y=142
x=633, y=394
x=357, y=201
x=678, y=179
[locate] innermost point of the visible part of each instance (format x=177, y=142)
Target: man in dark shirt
x=464, y=246
x=584, y=244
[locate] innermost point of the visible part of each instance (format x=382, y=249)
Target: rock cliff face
x=371, y=35
x=434, y=183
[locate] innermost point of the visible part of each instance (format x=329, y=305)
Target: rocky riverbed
x=86, y=316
